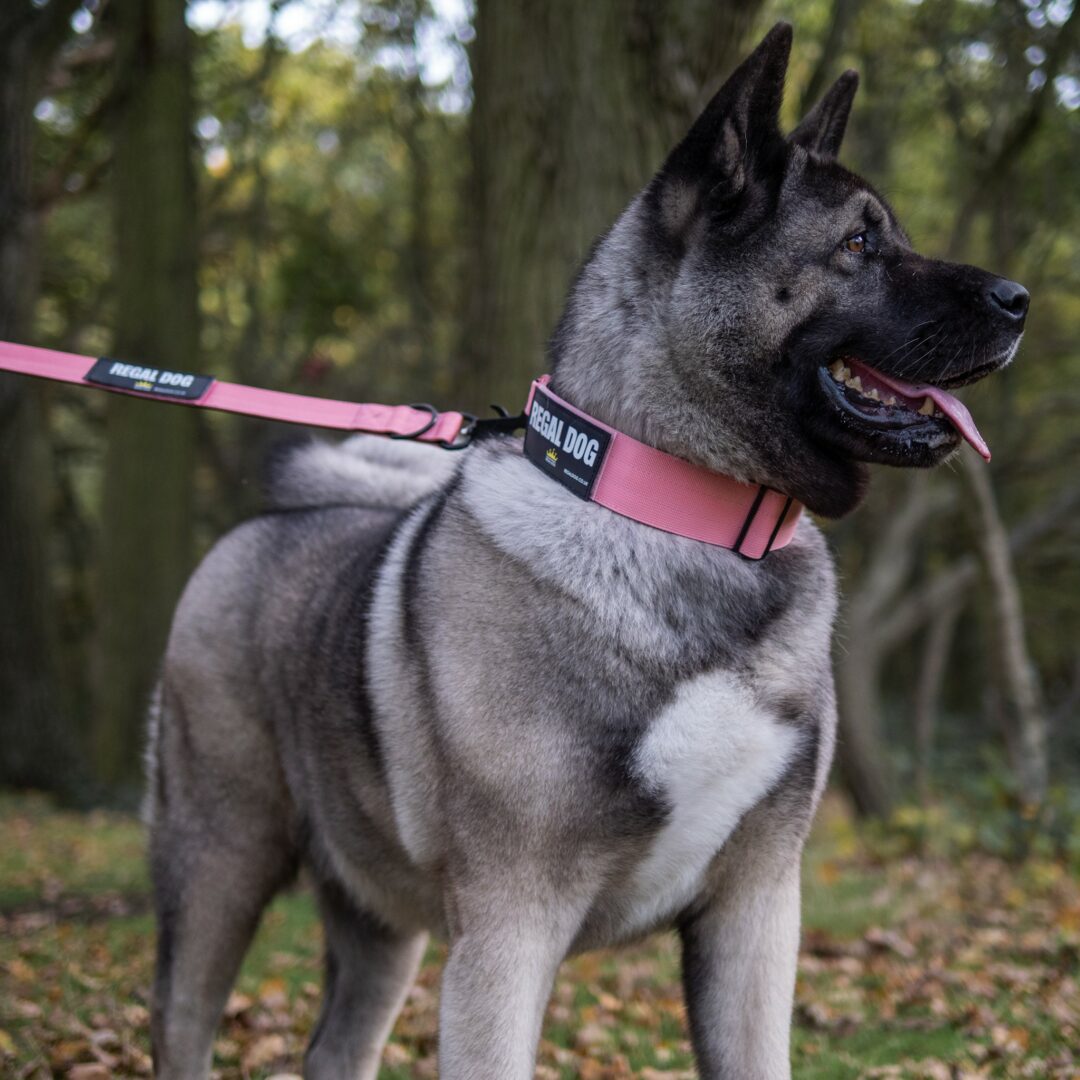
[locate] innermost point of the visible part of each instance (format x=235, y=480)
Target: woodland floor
x=911, y=967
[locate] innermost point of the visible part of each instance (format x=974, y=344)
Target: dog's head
x=758, y=308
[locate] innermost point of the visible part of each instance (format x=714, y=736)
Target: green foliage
x=983, y=814
x=333, y=231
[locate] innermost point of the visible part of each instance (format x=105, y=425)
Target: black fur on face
x=718, y=317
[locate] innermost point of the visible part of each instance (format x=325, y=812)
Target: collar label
x=146, y=380
x=569, y=448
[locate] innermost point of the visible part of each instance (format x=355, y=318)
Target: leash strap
x=452, y=430
x=592, y=460
x=636, y=480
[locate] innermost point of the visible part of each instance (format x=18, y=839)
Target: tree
x=35, y=723
x=575, y=106
x=147, y=541
x=1026, y=724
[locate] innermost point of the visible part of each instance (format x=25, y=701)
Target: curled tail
x=364, y=470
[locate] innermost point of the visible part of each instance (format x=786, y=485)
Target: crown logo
x=552, y=456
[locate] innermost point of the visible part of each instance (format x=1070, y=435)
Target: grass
x=911, y=968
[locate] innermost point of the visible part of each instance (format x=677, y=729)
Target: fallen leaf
x=238, y=1003
x=265, y=1049
x=591, y=1035
x=20, y=970
x=272, y=993
x=89, y=1072
x=891, y=940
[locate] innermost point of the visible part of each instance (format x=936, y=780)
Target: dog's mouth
x=897, y=415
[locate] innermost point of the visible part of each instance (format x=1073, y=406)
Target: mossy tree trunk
x=147, y=543
x=37, y=745
x=576, y=105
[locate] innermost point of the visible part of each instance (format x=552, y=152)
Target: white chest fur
x=712, y=754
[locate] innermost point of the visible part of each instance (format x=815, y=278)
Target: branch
x=50, y=26
x=1027, y=715
x=948, y=587
x=844, y=13
x=995, y=174
x=95, y=54
x=891, y=561
x=54, y=186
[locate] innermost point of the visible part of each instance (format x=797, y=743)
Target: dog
x=473, y=704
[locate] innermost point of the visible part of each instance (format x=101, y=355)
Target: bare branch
x=948, y=586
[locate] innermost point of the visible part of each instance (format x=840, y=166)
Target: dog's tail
x=364, y=470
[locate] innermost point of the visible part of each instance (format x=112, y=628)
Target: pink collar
x=603, y=465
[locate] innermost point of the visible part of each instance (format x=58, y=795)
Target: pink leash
x=592, y=460
x=421, y=422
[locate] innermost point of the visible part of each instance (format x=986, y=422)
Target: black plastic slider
x=752, y=513
x=755, y=506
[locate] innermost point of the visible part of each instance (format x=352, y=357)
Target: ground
x=912, y=967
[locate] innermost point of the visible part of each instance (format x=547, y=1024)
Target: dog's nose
x=1010, y=298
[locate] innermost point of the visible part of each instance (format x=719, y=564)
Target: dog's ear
x=822, y=129
x=736, y=135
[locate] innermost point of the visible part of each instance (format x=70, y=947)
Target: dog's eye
x=856, y=244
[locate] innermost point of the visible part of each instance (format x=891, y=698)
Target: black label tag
x=157, y=382
x=567, y=447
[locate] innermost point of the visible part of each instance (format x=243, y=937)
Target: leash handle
x=424, y=423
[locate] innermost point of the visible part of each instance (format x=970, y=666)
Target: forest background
x=385, y=201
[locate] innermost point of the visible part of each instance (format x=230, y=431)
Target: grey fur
x=364, y=470
x=472, y=704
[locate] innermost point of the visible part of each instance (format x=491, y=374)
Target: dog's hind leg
x=218, y=855
x=369, y=969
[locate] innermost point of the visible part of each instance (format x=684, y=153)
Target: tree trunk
x=416, y=258
x=147, y=544
x=935, y=656
x=576, y=105
x=1025, y=715
x=862, y=754
x=38, y=744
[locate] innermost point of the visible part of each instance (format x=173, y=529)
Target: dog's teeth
x=890, y=400
x=873, y=394
x=854, y=382
x=836, y=369
x=845, y=373
x=927, y=407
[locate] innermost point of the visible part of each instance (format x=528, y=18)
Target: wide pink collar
x=630, y=478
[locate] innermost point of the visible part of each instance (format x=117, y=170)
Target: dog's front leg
x=495, y=986
x=740, y=952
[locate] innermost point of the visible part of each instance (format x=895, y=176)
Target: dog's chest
x=710, y=755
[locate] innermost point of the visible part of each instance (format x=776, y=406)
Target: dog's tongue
x=952, y=407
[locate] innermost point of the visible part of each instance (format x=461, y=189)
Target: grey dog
x=472, y=704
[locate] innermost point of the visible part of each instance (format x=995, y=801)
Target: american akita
x=471, y=703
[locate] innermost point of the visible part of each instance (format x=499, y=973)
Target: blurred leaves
x=333, y=233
